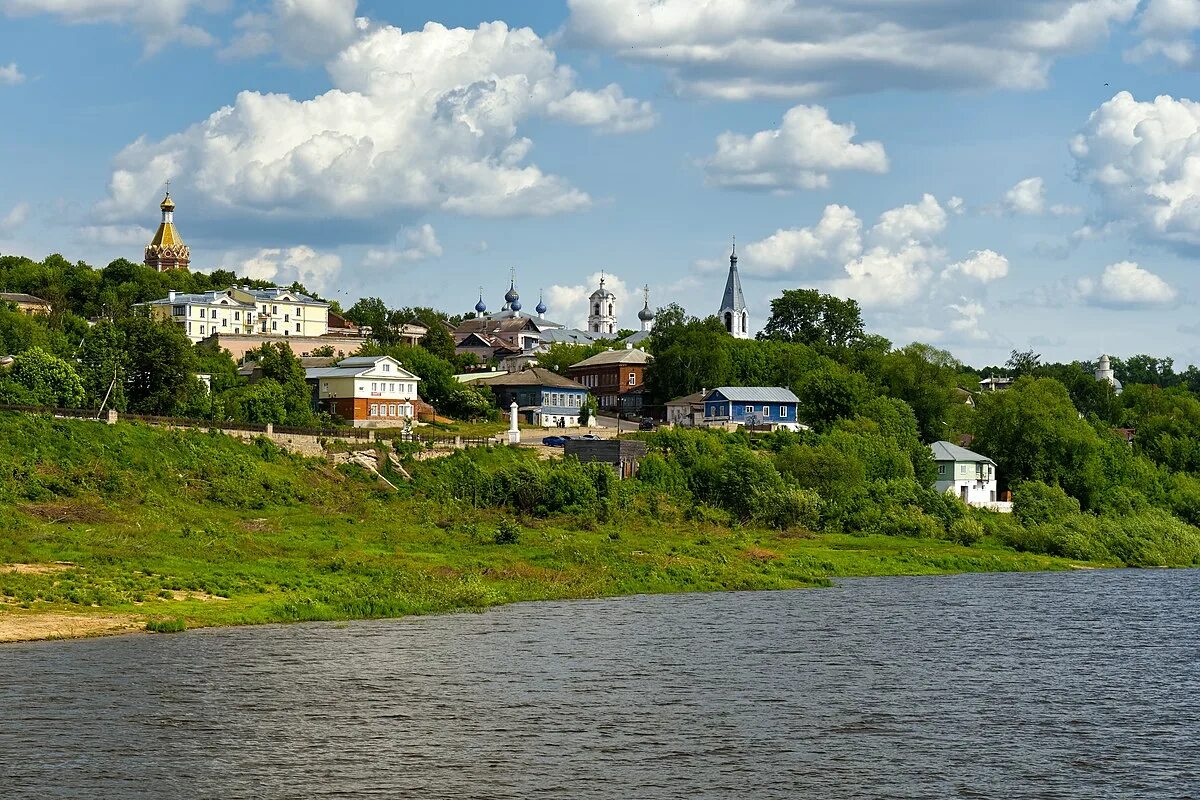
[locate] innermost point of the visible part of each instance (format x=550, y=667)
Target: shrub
x=965, y=531
x=507, y=532
x=177, y=625
x=1035, y=502
x=787, y=507
x=909, y=521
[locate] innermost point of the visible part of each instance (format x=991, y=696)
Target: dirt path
x=21, y=626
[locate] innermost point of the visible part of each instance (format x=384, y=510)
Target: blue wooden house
x=543, y=397
x=750, y=405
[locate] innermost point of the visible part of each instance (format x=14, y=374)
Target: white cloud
x=837, y=237
x=1143, y=161
x=569, y=304
x=417, y=245
x=416, y=120
x=124, y=236
x=16, y=217
x=608, y=110
x=887, y=277
x=158, y=22
x=966, y=325
x=317, y=271
x=300, y=30
x=921, y=333
x=982, y=265
x=914, y=222
x=956, y=205
x=1166, y=27
x=1029, y=197
x=1126, y=285
x=797, y=155
x=11, y=75
x=741, y=49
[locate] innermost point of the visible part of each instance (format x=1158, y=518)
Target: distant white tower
x=733, y=305
x=1104, y=372
x=603, y=310
x=646, y=316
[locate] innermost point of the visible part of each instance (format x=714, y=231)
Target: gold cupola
x=166, y=250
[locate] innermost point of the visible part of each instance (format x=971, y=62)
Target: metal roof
x=623, y=356
x=733, y=298
x=756, y=394
x=21, y=297
x=945, y=451
x=534, y=376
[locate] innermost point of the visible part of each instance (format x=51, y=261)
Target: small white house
x=367, y=391
x=967, y=475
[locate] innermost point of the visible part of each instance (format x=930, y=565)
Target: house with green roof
x=968, y=475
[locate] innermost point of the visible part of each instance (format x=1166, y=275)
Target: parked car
x=554, y=441
x=591, y=437
x=647, y=424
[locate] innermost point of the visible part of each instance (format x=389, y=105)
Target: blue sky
x=962, y=170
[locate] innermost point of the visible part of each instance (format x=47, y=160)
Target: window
x=274, y=309
x=201, y=330
x=374, y=387
x=213, y=314
x=224, y=323
x=297, y=327
x=374, y=409
x=274, y=326
x=766, y=411
x=264, y=309
x=387, y=367
x=287, y=318
x=297, y=311
x=633, y=379
x=749, y=409
x=391, y=409
x=237, y=315
x=941, y=469
x=391, y=387
x=783, y=412
x=325, y=387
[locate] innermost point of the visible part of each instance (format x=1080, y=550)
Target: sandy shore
x=29, y=626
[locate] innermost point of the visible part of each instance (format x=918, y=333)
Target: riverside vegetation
x=169, y=529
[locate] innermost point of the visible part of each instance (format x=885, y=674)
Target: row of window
x=390, y=410
x=592, y=380
x=766, y=411
x=562, y=399
x=966, y=470
x=388, y=386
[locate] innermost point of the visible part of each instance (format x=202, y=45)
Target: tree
x=819, y=320
x=280, y=365
x=102, y=366
x=830, y=393
x=161, y=370
x=40, y=378
x=1023, y=362
x=373, y=313
x=925, y=378
x=560, y=356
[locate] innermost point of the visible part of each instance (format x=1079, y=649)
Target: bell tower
x=166, y=250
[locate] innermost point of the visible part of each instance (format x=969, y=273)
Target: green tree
x=819, y=320
x=40, y=378
x=102, y=366
x=160, y=377
x=830, y=393
x=925, y=378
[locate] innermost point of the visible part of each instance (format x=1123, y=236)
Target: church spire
x=733, y=303
x=166, y=250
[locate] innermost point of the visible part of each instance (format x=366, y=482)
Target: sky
x=983, y=177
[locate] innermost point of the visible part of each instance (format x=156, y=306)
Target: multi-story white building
x=969, y=476
x=239, y=310
x=367, y=391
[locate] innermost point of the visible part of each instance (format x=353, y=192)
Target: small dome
x=481, y=306
x=511, y=296
x=515, y=305
x=541, y=307
x=646, y=315
x=167, y=204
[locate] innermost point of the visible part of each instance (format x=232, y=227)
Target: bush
x=507, y=532
x=176, y=625
x=910, y=521
x=1035, y=503
x=965, y=531
x=787, y=507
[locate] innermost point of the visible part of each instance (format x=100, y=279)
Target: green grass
x=189, y=529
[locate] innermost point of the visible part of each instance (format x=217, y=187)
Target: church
x=166, y=250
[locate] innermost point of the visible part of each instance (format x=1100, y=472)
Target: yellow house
x=26, y=303
x=239, y=310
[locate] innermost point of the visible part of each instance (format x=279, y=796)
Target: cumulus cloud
x=16, y=217
x=1126, y=285
x=416, y=245
x=982, y=265
x=569, y=304
x=967, y=323
x=124, y=236
x=158, y=22
x=1165, y=28
x=300, y=30
x=1142, y=159
x=416, y=120
x=799, y=154
x=914, y=222
x=1029, y=197
x=836, y=237
x=284, y=266
x=742, y=49
x=608, y=110
x=11, y=75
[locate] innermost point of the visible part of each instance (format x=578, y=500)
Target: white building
x=1104, y=372
x=602, y=316
x=967, y=475
x=239, y=310
x=367, y=391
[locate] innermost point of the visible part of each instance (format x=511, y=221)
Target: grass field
x=141, y=528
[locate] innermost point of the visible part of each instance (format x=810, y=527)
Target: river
x=1066, y=685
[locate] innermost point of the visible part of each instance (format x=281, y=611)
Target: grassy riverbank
x=133, y=527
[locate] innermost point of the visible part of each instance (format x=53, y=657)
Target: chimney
x=171, y=296
x=629, y=345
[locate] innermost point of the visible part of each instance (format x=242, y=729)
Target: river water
x=1068, y=685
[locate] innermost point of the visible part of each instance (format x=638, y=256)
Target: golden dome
x=167, y=204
